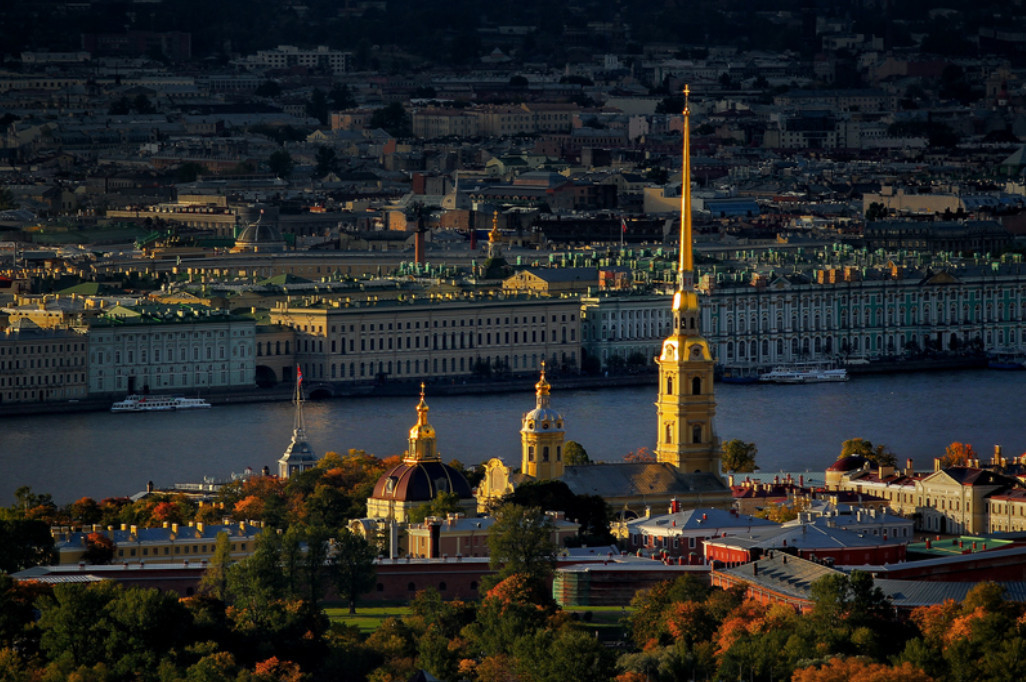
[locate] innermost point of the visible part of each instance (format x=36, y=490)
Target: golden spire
x=542, y=388
x=422, y=408
x=422, y=435
x=685, y=300
x=493, y=236
x=686, y=267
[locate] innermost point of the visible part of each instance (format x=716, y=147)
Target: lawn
x=367, y=618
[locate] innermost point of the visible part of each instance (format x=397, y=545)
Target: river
x=796, y=428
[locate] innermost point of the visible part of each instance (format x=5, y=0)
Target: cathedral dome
x=421, y=482
x=542, y=419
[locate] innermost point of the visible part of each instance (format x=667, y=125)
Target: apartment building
x=431, y=337
x=42, y=365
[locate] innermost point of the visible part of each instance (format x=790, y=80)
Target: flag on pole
x=299, y=376
x=623, y=224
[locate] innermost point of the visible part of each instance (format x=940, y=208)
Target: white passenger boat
x=157, y=403
x=803, y=375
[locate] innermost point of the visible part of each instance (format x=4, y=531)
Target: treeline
x=681, y=629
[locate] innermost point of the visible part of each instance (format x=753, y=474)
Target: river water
x=796, y=428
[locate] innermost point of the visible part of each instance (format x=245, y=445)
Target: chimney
x=909, y=470
x=936, y=464
x=997, y=455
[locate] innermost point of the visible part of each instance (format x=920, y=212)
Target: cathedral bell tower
x=541, y=436
x=686, y=404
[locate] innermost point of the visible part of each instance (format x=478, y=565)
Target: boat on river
x=804, y=375
x=157, y=403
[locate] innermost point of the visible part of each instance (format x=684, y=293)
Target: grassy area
x=367, y=618
x=607, y=621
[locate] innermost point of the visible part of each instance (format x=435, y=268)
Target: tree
x=341, y=97
x=958, y=455
x=520, y=542
x=393, y=119
x=215, y=579
x=642, y=454
x=878, y=455
x=257, y=580
x=325, y=160
x=444, y=504
x=352, y=567
x=739, y=456
x=574, y=454
x=590, y=511
x=876, y=211
x=317, y=106
x=26, y=543
x=268, y=88
x=280, y=163
x=843, y=670
x=99, y=549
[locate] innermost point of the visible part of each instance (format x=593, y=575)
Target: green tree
x=341, y=97
x=520, y=542
x=317, y=106
x=268, y=88
x=257, y=580
x=879, y=455
x=739, y=456
x=443, y=504
x=575, y=454
x=565, y=654
x=875, y=211
x=352, y=567
x=215, y=578
x=26, y=543
x=280, y=163
x=393, y=119
x=325, y=161
x=142, y=104
x=189, y=171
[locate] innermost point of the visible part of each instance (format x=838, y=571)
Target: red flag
x=623, y=224
x=299, y=376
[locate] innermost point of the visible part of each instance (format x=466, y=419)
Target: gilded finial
x=422, y=407
x=494, y=234
x=543, y=386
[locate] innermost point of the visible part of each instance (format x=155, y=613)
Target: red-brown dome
x=421, y=482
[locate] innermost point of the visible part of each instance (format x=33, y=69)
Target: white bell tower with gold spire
x=686, y=404
x=542, y=436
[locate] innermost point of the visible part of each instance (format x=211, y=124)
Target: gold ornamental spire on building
x=422, y=435
x=542, y=388
x=493, y=235
x=685, y=300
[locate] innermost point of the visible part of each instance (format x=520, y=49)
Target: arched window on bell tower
x=696, y=386
x=545, y=453
x=530, y=453
x=669, y=385
x=668, y=437
x=696, y=434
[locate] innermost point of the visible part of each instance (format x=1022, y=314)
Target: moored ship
x=157, y=403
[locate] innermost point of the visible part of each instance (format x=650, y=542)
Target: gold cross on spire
x=687, y=91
